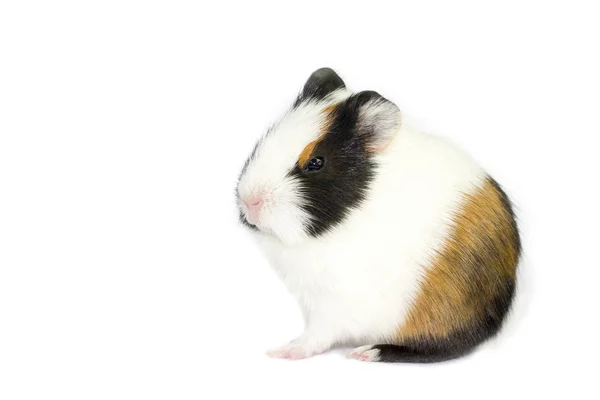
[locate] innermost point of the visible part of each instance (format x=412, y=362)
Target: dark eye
x=315, y=164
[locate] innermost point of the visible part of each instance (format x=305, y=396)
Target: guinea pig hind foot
x=400, y=354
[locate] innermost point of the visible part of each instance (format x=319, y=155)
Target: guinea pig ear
x=378, y=119
x=320, y=83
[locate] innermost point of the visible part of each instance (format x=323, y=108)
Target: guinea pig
x=392, y=240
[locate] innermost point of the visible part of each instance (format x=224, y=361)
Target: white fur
x=357, y=283
x=383, y=117
x=275, y=156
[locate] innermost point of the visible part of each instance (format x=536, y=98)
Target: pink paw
x=365, y=353
x=289, y=352
x=296, y=350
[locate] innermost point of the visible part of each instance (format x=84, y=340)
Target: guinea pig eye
x=315, y=164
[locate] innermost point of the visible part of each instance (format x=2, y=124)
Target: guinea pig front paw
x=290, y=352
x=296, y=350
x=310, y=343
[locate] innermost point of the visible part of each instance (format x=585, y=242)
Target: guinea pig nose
x=254, y=204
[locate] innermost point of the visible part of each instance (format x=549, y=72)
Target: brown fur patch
x=307, y=153
x=470, y=271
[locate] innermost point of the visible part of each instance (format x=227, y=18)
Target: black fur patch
x=458, y=343
x=349, y=168
x=320, y=83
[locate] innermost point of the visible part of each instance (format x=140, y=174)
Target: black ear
x=377, y=118
x=320, y=83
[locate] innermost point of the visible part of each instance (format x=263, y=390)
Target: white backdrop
x=123, y=126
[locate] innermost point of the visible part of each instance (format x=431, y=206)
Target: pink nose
x=254, y=204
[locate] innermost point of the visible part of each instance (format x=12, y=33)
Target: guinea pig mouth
x=247, y=223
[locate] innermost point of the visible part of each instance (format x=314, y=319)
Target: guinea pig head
x=314, y=166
